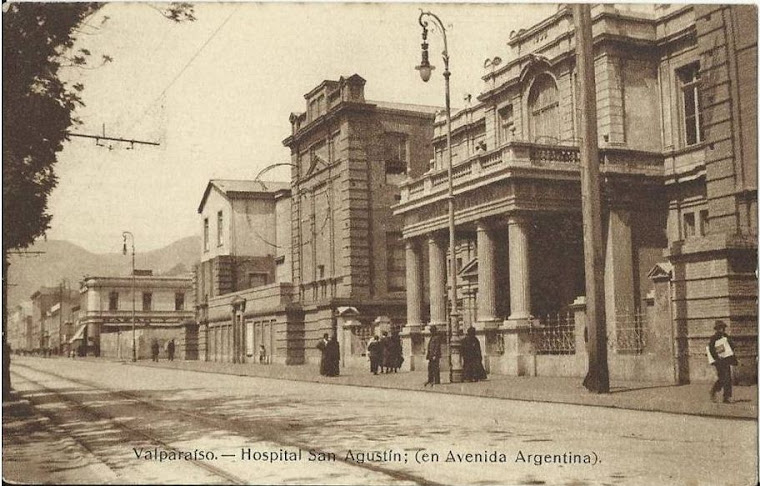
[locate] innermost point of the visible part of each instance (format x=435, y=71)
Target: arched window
x=543, y=106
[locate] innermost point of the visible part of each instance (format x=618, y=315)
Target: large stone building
x=676, y=89
x=163, y=310
x=348, y=158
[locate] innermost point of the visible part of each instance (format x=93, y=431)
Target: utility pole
x=597, y=379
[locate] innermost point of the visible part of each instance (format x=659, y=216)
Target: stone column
x=519, y=268
x=437, y=259
x=413, y=286
x=486, y=276
x=618, y=271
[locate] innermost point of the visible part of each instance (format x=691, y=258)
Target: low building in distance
x=163, y=310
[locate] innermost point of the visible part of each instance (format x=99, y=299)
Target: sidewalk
x=690, y=399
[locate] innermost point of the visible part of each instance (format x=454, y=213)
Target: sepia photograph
x=344, y=243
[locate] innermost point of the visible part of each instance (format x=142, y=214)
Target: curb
x=458, y=393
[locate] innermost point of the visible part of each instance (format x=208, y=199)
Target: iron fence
x=553, y=333
x=631, y=332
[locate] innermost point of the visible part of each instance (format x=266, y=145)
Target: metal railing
x=553, y=333
x=631, y=332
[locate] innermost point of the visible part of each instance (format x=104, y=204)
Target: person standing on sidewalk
x=434, y=358
x=170, y=349
x=332, y=354
x=472, y=358
x=154, y=350
x=722, y=345
x=375, y=354
x=322, y=347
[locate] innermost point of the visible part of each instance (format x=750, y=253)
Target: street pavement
x=692, y=399
x=229, y=414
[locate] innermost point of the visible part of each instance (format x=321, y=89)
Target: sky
x=217, y=93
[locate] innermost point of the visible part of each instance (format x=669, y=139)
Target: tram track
x=88, y=411
x=258, y=432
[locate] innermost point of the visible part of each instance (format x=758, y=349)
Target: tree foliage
x=39, y=108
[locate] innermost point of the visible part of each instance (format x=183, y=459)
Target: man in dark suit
x=323, y=362
x=722, y=365
x=434, y=358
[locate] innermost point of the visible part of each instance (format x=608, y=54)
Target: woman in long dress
x=472, y=358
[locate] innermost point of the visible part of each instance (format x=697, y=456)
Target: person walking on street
x=375, y=354
x=262, y=354
x=170, y=349
x=721, y=349
x=434, y=358
x=472, y=358
x=322, y=346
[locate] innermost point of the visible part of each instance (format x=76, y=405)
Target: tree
x=38, y=110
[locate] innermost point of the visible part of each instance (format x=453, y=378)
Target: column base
x=518, y=358
x=455, y=373
x=413, y=347
x=487, y=324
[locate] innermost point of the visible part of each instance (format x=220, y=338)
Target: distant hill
x=64, y=260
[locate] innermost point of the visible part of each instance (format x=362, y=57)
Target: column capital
x=437, y=238
x=518, y=219
x=484, y=225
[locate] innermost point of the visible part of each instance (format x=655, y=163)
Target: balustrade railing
x=522, y=153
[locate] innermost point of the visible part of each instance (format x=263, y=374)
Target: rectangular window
x=688, y=225
x=256, y=279
x=689, y=79
x=179, y=301
x=506, y=124
x=205, y=234
x=147, y=301
x=704, y=222
x=113, y=301
x=395, y=153
x=396, y=261
x=320, y=272
x=219, y=228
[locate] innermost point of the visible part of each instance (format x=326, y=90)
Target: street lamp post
x=425, y=69
x=124, y=251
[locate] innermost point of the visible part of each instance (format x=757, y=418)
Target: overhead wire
x=186, y=66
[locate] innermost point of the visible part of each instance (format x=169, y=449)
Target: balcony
x=531, y=160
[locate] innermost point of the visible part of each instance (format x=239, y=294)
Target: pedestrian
x=434, y=358
x=375, y=352
x=385, y=360
x=322, y=347
x=395, y=353
x=154, y=350
x=472, y=358
x=332, y=352
x=262, y=354
x=721, y=352
x=170, y=349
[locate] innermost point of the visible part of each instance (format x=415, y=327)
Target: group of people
x=385, y=354
x=472, y=357
x=155, y=348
